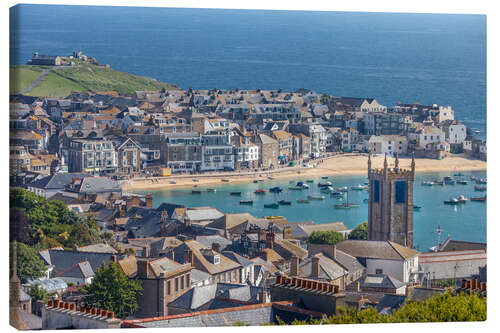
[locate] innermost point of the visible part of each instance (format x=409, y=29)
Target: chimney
x=315, y=267
x=261, y=234
x=294, y=266
x=114, y=258
x=287, y=230
x=334, y=251
x=270, y=240
x=149, y=200
x=358, y=286
x=263, y=296
x=145, y=251
x=216, y=247
x=143, y=268
x=188, y=257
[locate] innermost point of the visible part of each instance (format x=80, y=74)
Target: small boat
x=235, y=193
x=195, y=192
x=481, y=181
x=427, y=183
x=478, y=199
x=345, y=205
x=260, y=192
x=309, y=181
x=246, y=202
x=462, y=199
x=323, y=184
x=327, y=189
x=302, y=184
x=366, y=183
x=479, y=188
x=225, y=180
x=462, y=182
x=459, y=174
x=358, y=187
x=473, y=177
x=196, y=180
x=302, y=200
x=284, y=203
x=452, y=201
x=365, y=200
x=275, y=189
x=295, y=188
x=273, y=205
x=417, y=208
x=255, y=181
x=270, y=177
x=438, y=182
x=211, y=190
x=324, y=177
x=342, y=189
x=173, y=182
x=316, y=197
x=449, y=181
x=337, y=194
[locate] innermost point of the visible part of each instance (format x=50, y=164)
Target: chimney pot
x=111, y=315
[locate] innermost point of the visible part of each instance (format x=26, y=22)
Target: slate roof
x=169, y=207
x=67, y=199
x=225, y=263
x=287, y=249
x=329, y=269
x=165, y=266
x=347, y=261
x=63, y=260
x=101, y=248
x=129, y=266
x=304, y=231
x=81, y=270
x=457, y=245
x=381, y=281
x=453, y=264
x=56, y=181
x=239, y=259
x=24, y=320
x=229, y=221
x=203, y=214
x=210, y=239
x=197, y=276
x=99, y=185
x=376, y=249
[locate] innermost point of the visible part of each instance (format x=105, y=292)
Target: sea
x=393, y=57
x=463, y=222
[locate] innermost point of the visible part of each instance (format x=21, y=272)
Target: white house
x=427, y=136
x=455, y=132
x=388, y=144
x=384, y=257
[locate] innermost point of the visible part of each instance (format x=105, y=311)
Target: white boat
x=358, y=187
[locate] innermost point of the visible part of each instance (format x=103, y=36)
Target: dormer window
x=216, y=259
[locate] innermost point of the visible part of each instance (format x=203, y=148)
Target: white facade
x=374, y=106
x=217, y=158
x=428, y=135
x=444, y=113
x=388, y=144
x=248, y=153
x=456, y=133
x=399, y=269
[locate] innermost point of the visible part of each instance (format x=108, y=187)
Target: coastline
x=339, y=165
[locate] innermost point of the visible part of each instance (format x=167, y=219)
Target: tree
x=360, y=232
x=325, y=237
x=37, y=293
x=29, y=265
x=112, y=290
x=19, y=226
x=440, y=308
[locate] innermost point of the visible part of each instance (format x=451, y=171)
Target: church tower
x=390, y=206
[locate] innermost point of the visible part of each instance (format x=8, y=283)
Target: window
x=400, y=192
x=182, y=282
x=188, y=278
x=376, y=190
x=176, y=284
x=379, y=271
x=168, y=288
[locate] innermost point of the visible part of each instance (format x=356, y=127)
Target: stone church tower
x=390, y=206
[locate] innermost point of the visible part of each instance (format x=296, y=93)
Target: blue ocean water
x=463, y=222
x=426, y=58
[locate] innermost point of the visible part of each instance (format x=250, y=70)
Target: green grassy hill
x=61, y=81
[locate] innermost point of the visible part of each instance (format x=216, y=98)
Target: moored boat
x=345, y=205
x=324, y=177
x=260, y=192
x=284, y=203
x=452, y=201
x=295, y=188
x=478, y=199
x=427, y=183
x=316, y=197
x=342, y=189
x=272, y=205
x=235, y=193
x=449, y=181
x=481, y=181
x=337, y=194
x=438, y=182
x=323, y=184
x=275, y=189
x=225, y=180
x=417, y=208
x=302, y=200
x=211, y=190
x=462, y=199
x=246, y=202
x=462, y=182
x=310, y=181
x=195, y=192
x=358, y=187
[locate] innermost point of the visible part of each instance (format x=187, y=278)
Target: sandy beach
x=333, y=166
